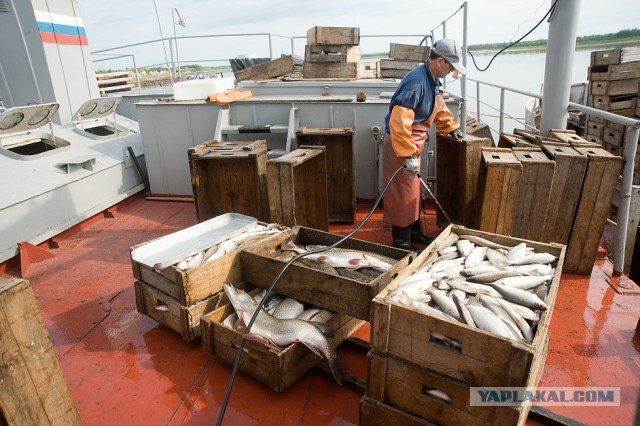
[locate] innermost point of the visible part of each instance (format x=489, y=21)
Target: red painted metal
x=30, y=254
x=125, y=368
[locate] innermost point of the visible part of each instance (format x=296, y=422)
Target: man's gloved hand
x=456, y=134
x=412, y=166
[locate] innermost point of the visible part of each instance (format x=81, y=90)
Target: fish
x=496, y=258
x=337, y=259
x=382, y=263
x=517, y=251
x=288, y=308
x=473, y=288
x=320, y=266
x=523, y=311
x=532, y=269
x=462, y=308
x=521, y=297
x=480, y=269
x=464, y=247
x=271, y=331
x=518, y=319
x=476, y=256
x=534, y=258
x=488, y=321
x=489, y=277
x=447, y=250
x=445, y=303
x=525, y=282
x=491, y=304
x=440, y=395
x=449, y=241
x=414, y=287
x=483, y=242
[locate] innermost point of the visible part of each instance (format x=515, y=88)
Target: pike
x=271, y=331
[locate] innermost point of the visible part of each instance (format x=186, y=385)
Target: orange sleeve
x=400, y=122
x=444, y=121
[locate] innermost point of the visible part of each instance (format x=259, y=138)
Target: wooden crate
x=611, y=103
x=479, y=129
x=595, y=128
x=166, y=310
x=635, y=107
x=331, y=53
x=484, y=358
x=404, y=385
x=595, y=139
x=408, y=52
x=599, y=186
x=612, y=149
x=266, y=70
x=278, y=369
x=298, y=188
x=34, y=390
x=567, y=186
x=508, y=140
x=457, y=171
x=348, y=70
x=340, y=294
x=334, y=35
x=376, y=413
x=230, y=177
x=615, y=87
x=613, y=137
x=341, y=170
x=498, y=188
x=615, y=56
x=194, y=285
x=533, y=195
x=615, y=72
x=388, y=68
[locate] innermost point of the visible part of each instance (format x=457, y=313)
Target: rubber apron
x=402, y=201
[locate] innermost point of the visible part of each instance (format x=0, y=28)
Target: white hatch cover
x=96, y=108
x=26, y=118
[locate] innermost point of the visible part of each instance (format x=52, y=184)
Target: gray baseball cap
x=450, y=51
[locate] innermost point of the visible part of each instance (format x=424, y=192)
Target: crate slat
x=334, y=35
x=271, y=69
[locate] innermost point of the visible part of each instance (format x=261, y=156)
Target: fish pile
x=485, y=285
x=229, y=245
x=355, y=264
x=283, y=321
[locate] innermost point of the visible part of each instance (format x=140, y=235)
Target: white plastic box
x=200, y=89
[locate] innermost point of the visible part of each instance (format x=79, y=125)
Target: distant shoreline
x=579, y=46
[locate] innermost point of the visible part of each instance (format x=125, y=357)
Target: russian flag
x=61, y=29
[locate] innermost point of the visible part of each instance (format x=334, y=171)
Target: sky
x=112, y=23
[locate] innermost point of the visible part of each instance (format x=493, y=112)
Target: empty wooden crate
x=298, y=188
x=568, y=177
x=457, y=170
x=601, y=176
x=533, y=195
x=230, y=177
x=341, y=171
x=334, y=35
x=498, y=187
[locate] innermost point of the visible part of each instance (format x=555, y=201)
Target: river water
x=519, y=70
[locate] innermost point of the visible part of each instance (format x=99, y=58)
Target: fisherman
x=416, y=104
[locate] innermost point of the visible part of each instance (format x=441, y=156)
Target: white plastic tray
x=167, y=250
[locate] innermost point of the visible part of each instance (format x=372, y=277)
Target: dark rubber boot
x=401, y=237
x=417, y=236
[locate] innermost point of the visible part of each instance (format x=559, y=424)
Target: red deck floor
x=125, y=368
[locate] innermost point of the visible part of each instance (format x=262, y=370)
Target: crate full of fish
x=473, y=306
x=344, y=279
x=191, y=265
x=287, y=339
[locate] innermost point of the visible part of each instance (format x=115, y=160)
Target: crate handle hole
x=528, y=156
x=161, y=306
x=448, y=342
x=495, y=156
x=436, y=394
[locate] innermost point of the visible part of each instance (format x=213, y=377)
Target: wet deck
x=125, y=368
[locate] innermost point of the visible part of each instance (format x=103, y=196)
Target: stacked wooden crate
x=422, y=367
x=112, y=82
x=614, y=86
x=402, y=59
x=178, y=297
x=332, y=52
x=349, y=298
